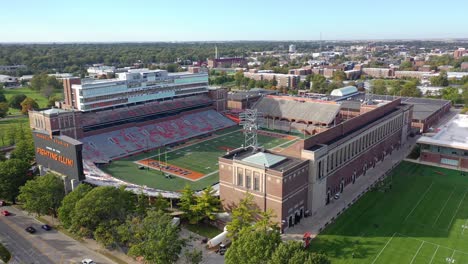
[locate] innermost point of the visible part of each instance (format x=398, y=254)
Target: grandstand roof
x=306, y=110
x=453, y=135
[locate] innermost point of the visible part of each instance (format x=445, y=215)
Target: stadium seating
x=108, y=116
x=124, y=142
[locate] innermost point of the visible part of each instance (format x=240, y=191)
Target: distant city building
x=12, y=68
x=449, y=145
x=8, y=81
x=227, y=62
x=378, y=72
x=282, y=80
x=460, y=52
x=292, y=48
x=134, y=86
x=464, y=66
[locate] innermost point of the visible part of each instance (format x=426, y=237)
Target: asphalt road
x=43, y=247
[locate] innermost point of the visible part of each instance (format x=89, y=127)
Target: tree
x=42, y=195
x=452, y=94
x=53, y=99
x=410, y=89
x=238, y=78
x=285, y=252
x=2, y=96
x=319, y=83
x=155, y=238
x=251, y=84
x=253, y=246
x=13, y=174
x=193, y=256
x=3, y=109
x=24, y=150
x=406, y=66
x=100, y=206
x=441, y=80
x=243, y=215
x=28, y=104
x=187, y=200
x=207, y=204
x=172, y=67
x=379, y=87
x=317, y=258
x=339, y=76
x=68, y=204
x=16, y=100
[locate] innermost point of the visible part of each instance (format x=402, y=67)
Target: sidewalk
x=315, y=224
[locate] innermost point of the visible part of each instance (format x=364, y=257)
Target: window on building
x=256, y=182
x=240, y=177
x=248, y=179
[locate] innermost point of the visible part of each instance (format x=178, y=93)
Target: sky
x=207, y=20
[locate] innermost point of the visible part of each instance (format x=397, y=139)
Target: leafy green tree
x=2, y=97
x=243, y=215
x=441, y=80
x=68, y=204
x=24, y=150
x=187, y=200
x=172, y=67
x=13, y=174
x=100, y=206
x=452, y=94
x=406, y=66
x=251, y=84
x=16, y=100
x=238, y=78
x=319, y=83
x=193, y=256
x=253, y=246
x=207, y=204
x=42, y=195
x=379, y=87
x=3, y=109
x=28, y=104
x=155, y=238
x=317, y=258
x=53, y=99
x=285, y=252
x=339, y=76
x=160, y=203
x=410, y=89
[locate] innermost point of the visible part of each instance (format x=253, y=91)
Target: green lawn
x=202, y=229
x=201, y=157
x=423, y=218
x=41, y=100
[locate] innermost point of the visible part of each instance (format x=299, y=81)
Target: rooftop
x=264, y=159
x=454, y=134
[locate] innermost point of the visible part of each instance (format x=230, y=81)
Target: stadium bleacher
x=123, y=142
x=135, y=111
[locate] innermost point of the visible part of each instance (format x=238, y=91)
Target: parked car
x=30, y=229
x=46, y=227
x=6, y=213
x=88, y=261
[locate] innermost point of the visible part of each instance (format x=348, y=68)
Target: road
x=43, y=247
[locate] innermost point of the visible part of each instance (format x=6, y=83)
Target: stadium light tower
x=250, y=124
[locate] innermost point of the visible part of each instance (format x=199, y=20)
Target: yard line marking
x=422, y=197
x=465, y=227
x=435, y=252
x=462, y=252
x=378, y=255
x=414, y=257
x=446, y=202
x=456, y=211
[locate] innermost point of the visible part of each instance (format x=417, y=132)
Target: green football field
x=423, y=218
x=200, y=157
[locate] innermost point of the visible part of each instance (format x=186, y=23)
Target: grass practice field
x=423, y=218
x=201, y=157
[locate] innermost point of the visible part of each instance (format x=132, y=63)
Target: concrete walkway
x=315, y=224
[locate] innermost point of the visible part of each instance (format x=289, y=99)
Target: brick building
x=335, y=157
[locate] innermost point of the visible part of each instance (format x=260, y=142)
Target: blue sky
x=184, y=20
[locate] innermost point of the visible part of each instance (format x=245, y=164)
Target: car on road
x=6, y=213
x=88, y=261
x=46, y=227
x=30, y=229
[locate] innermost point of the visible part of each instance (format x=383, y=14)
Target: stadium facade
x=341, y=149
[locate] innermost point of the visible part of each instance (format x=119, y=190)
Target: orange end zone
x=226, y=148
x=171, y=169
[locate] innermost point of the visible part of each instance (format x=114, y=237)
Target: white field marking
x=435, y=252
x=440, y=213
x=420, y=199
x=451, y=258
x=282, y=144
x=465, y=226
x=414, y=257
x=456, y=211
x=388, y=242
x=194, y=143
x=456, y=250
